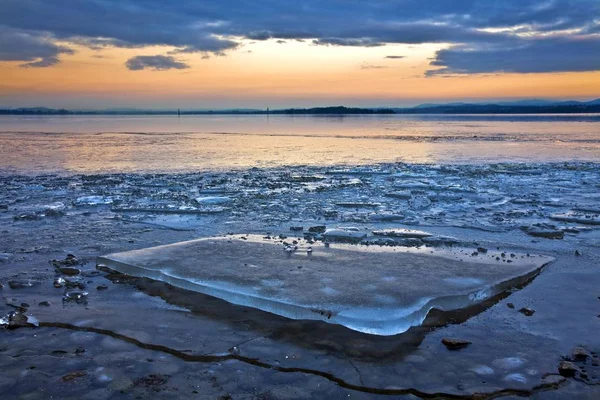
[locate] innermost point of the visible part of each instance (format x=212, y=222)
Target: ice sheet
x=371, y=289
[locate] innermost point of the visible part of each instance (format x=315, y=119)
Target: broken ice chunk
x=402, y=233
x=94, y=200
x=578, y=217
x=344, y=234
x=212, y=200
x=376, y=290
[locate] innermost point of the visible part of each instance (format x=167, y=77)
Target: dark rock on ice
x=70, y=271
x=567, y=369
x=22, y=283
x=528, y=312
x=76, y=296
x=69, y=261
x=74, y=375
x=455, y=344
x=580, y=354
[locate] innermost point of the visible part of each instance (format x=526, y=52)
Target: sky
x=195, y=54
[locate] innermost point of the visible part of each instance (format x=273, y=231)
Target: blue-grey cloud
x=34, y=49
x=215, y=27
x=155, y=63
x=546, y=55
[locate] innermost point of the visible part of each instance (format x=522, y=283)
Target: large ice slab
x=371, y=289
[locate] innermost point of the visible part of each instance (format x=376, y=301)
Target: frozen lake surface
x=451, y=185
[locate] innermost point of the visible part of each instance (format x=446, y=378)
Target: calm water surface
x=94, y=144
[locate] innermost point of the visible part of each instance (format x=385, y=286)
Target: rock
x=455, y=344
x=79, y=350
x=22, y=283
x=69, y=271
x=15, y=320
x=577, y=253
x=103, y=268
x=69, y=261
x=102, y=287
x=317, y=229
x=482, y=250
x=74, y=375
x=73, y=283
x=567, y=369
x=76, y=296
x=527, y=311
x=580, y=354
x=44, y=303
x=510, y=305
x=544, y=231
x=296, y=228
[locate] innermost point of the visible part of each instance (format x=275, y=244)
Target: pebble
x=567, y=369
x=73, y=375
x=69, y=271
x=528, y=312
x=455, y=344
x=580, y=354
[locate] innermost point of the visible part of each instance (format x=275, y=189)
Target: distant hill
x=535, y=106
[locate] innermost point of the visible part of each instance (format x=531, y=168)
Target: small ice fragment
x=419, y=202
x=508, y=363
x=400, y=194
x=483, y=370
x=516, y=378
x=344, y=234
x=580, y=218
x=213, y=200
x=402, y=233
x=94, y=200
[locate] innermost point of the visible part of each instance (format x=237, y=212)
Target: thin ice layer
x=377, y=290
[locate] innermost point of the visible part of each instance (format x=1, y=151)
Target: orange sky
x=267, y=73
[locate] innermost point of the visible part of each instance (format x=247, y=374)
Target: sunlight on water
x=91, y=144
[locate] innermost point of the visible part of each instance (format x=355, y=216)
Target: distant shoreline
x=337, y=110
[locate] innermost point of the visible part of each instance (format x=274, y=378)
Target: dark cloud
x=547, y=55
x=155, y=63
x=34, y=49
x=395, y=57
x=490, y=28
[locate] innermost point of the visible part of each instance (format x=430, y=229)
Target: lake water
x=96, y=144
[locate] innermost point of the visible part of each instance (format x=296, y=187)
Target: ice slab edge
x=172, y=264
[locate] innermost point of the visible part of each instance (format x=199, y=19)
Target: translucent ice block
x=371, y=289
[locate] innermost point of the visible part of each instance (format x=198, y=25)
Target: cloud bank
x=155, y=63
x=484, y=36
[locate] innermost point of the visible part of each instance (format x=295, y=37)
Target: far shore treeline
x=578, y=108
